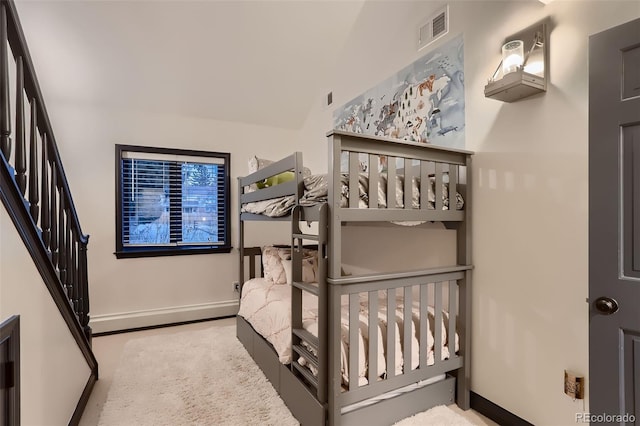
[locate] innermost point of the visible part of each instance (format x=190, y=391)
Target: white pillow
x=256, y=164
x=272, y=265
x=309, y=270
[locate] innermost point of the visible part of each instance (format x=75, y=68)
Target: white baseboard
x=153, y=317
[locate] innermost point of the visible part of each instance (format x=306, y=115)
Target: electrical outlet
x=573, y=385
x=235, y=286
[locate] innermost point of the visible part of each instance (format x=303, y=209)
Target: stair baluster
x=61, y=252
x=33, y=165
x=5, y=113
x=21, y=150
x=45, y=214
x=54, y=209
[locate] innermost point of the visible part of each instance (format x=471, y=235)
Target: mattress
x=267, y=307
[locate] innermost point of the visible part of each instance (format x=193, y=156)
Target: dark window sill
x=173, y=251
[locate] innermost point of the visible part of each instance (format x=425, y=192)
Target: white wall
x=53, y=371
x=532, y=277
x=530, y=319
x=128, y=293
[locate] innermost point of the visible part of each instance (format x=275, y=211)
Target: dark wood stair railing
x=34, y=187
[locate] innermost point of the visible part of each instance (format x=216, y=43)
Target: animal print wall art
x=423, y=102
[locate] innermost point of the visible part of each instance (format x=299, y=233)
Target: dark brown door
x=10, y=372
x=614, y=225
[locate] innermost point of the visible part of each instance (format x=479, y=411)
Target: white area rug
x=207, y=378
x=440, y=415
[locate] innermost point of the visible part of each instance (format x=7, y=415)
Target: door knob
x=606, y=305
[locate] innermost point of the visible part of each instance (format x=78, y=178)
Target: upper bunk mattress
x=316, y=191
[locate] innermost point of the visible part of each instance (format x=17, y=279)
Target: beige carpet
x=205, y=377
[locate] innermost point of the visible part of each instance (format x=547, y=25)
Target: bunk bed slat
x=424, y=185
x=424, y=324
x=281, y=190
x=354, y=174
x=354, y=334
x=290, y=163
x=374, y=181
x=391, y=183
x=408, y=184
x=453, y=186
x=334, y=373
x=438, y=187
x=437, y=335
x=407, y=322
x=391, y=333
x=373, y=337
x=451, y=331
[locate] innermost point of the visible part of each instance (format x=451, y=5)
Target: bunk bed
x=359, y=349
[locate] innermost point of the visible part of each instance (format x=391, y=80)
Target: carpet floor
x=205, y=377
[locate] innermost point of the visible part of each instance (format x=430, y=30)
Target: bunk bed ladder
x=304, y=344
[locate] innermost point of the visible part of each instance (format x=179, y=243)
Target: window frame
x=174, y=250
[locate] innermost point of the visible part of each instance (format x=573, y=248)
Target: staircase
x=34, y=188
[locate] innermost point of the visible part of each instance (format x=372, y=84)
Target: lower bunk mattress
x=267, y=307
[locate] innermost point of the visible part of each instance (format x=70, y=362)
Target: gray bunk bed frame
x=322, y=398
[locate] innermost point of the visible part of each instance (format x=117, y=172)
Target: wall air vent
x=433, y=27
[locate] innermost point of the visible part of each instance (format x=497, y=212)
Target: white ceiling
x=260, y=62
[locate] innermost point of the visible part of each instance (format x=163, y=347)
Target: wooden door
x=10, y=372
x=614, y=225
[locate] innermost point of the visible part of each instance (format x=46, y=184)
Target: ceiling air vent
x=433, y=27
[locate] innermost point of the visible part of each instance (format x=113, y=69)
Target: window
x=171, y=201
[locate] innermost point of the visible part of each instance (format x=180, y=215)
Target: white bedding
x=274, y=207
x=267, y=307
x=316, y=191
